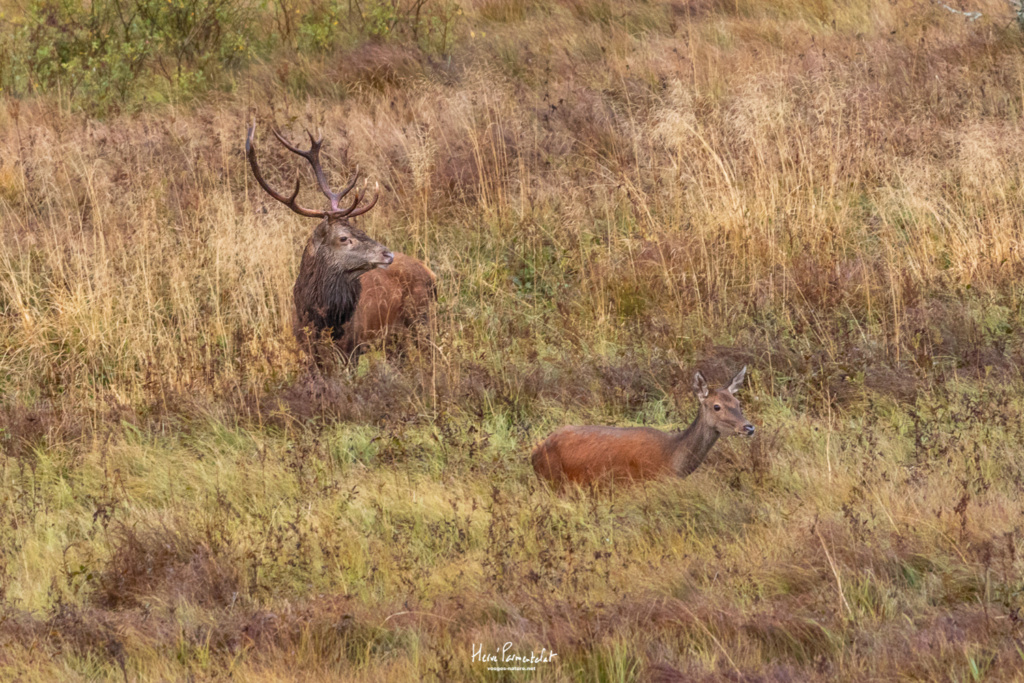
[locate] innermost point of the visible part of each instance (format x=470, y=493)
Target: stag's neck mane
x=325, y=298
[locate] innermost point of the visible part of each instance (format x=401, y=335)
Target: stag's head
x=720, y=409
x=337, y=244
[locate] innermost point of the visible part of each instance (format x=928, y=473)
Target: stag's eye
x=342, y=239
x=718, y=407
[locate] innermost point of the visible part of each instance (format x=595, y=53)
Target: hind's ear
x=737, y=381
x=700, y=387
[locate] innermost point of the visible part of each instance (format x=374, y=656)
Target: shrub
x=98, y=54
x=430, y=23
x=104, y=55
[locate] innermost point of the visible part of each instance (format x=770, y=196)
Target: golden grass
x=612, y=195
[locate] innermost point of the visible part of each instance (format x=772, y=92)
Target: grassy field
x=613, y=195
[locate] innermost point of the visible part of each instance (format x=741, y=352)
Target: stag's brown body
x=359, y=309
x=326, y=294
x=391, y=301
x=586, y=454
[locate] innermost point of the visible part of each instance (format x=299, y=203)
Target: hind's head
x=720, y=409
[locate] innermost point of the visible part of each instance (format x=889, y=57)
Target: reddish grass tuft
x=166, y=564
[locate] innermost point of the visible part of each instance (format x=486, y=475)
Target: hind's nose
x=748, y=430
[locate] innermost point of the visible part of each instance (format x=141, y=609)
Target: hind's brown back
x=581, y=455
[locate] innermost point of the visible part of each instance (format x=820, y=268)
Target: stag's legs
x=322, y=354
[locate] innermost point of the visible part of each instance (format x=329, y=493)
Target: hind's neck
x=692, y=446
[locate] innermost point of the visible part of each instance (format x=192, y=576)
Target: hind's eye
x=718, y=407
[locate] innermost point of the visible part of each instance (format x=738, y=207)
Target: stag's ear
x=322, y=231
x=737, y=381
x=700, y=387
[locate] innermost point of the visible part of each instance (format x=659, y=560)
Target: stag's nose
x=388, y=258
x=748, y=430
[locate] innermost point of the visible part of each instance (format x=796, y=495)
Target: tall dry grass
x=611, y=195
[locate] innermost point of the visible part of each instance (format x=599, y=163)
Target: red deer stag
x=586, y=454
x=350, y=289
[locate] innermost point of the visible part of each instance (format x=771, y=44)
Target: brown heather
x=612, y=195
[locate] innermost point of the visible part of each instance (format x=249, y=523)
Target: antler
x=359, y=197
x=250, y=153
x=312, y=155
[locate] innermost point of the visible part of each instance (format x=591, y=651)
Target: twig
x=714, y=640
x=425, y=614
x=835, y=572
